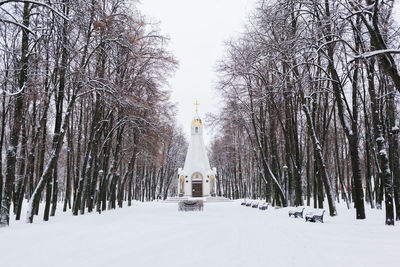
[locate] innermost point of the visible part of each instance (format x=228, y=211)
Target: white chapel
x=196, y=179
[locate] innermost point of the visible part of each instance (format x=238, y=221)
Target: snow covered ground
x=224, y=234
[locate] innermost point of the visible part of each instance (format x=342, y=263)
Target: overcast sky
x=197, y=31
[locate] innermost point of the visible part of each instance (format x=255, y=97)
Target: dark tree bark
x=128, y=175
x=67, y=198
x=29, y=174
x=320, y=160
x=49, y=186
x=394, y=144
x=17, y=121
x=340, y=173
x=56, y=148
x=21, y=167
x=2, y=133
x=384, y=167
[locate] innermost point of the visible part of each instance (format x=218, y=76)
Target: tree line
x=311, y=106
x=86, y=121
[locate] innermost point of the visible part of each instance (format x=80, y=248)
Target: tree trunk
x=56, y=148
x=385, y=172
x=17, y=121
x=321, y=162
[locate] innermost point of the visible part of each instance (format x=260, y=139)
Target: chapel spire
x=196, y=179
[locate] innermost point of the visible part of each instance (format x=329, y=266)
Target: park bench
x=254, y=204
x=248, y=203
x=243, y=203
x=311, y=217
x=296, y=214
x=263, y=206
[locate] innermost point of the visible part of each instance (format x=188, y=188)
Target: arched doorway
x=197, y=184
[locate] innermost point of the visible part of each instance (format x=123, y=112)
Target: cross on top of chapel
x=196, y=103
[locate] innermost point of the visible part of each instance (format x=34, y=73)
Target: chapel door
x=197, y=189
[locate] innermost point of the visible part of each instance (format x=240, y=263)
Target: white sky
x=197, y=29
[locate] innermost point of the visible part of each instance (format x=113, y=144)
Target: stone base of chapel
x=205, y=199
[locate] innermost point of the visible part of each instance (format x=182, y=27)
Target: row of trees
x=311, y=93
x=84, y=116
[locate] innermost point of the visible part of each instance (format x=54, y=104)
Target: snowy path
x=224, y=234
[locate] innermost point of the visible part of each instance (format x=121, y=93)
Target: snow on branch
x=13, y=93
x=35, y=3
x=378, y=52
x=17, y=24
